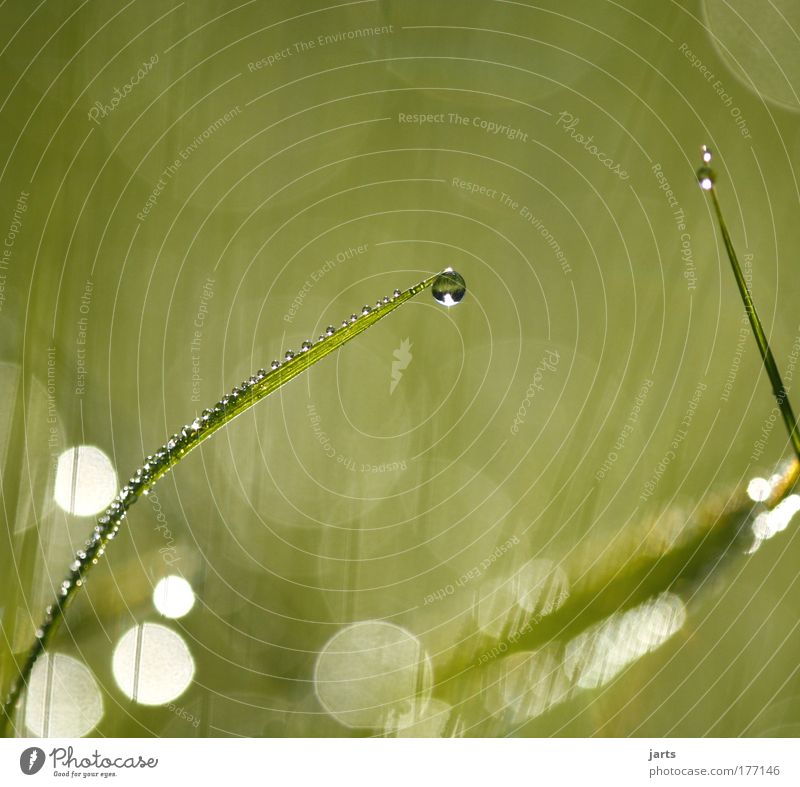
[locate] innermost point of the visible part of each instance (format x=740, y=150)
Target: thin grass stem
x=707, y=182
x=241, y=399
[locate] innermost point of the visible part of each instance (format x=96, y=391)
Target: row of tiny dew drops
x=448, y=289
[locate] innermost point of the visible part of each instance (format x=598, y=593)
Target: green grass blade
x=241, y=399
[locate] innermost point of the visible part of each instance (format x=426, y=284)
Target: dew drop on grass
x=449, y=288
x=706, y=178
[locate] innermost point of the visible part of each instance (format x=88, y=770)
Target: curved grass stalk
x=241, y=398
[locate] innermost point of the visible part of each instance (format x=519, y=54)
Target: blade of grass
x=707, y=180
x=241, y=399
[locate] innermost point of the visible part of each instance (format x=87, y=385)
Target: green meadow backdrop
x=190, y=189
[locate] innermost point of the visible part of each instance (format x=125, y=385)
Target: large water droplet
x=706, y=178
x=449, y=288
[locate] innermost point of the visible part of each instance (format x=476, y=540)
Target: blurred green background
x=189, y=189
